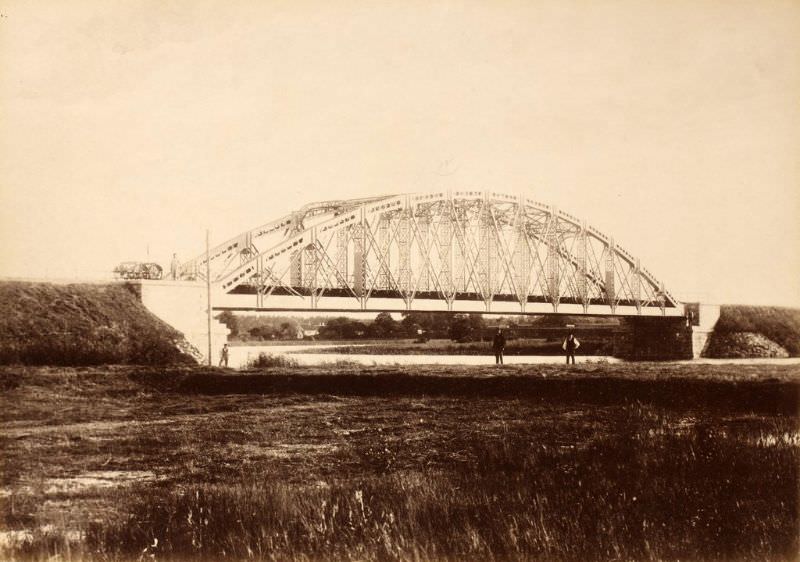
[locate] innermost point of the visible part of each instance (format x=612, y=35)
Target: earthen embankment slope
x=83, y=324
x=755, y=331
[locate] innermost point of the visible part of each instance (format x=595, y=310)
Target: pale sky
x=673, y=126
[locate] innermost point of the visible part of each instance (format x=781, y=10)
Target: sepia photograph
x=440, y=281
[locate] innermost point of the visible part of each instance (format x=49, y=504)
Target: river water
x=305, y=355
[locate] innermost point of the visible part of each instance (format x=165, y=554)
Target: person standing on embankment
x=223, y=356
x=498, y=345
x=570, y=344
x=173, y=267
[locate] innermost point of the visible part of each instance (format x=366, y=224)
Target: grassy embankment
x=82, y=324
x=633, y=461
x=777, y=324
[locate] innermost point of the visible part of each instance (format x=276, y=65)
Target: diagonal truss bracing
x=451, y=247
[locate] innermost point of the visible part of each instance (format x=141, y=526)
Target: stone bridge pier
x=703, y=319
x=184, y=306
x=656, y=338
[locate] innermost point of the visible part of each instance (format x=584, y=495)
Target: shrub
x=268, y=360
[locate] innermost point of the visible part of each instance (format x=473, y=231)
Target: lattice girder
x=452, y=247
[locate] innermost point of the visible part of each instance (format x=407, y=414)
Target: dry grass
x=781, y=325
x=643, y=462
x=271, y=360
x=45, y=324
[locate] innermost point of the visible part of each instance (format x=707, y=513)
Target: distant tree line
x=417, y=325
x=260, y=327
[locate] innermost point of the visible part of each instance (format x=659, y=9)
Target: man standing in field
x=570, y=344
x=498, y=344
x=223, y=356
x=173, y=266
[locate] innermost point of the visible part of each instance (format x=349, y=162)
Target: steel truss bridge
x=450, y=251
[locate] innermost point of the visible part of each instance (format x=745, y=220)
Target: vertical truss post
x=310, y=261
x=360, y=261
x=404, y=257
x=424, y=282
x=662, y=299
x=553, y=280
x=384, y=279
x=521, y=260
x=341, y=257
x=444, y=242
x=459, y=258
x=485, y=251
x=493, y=264
x=458, y=220
x=583, y=284
x=296, y=257
x=296, y=269
x=459, y=233
x=260, y=282
x=611, y=295
x=637, y=286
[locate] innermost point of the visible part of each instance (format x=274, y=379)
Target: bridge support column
x=521, y=262
x=424, y=227
x=583, y=281
x=341, y=257
x=459, y=261
x=487, y=250
x=702, y=318
x=553, y=279
x=384, y=275
x=404, y=258
x=653, y=338
x=311, y=260
x=296, y=269
x=444, y=245
x=360, y=261
x=260, y=277
x=611, y=294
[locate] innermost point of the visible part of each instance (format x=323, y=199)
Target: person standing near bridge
x=498, y=345
x=173, y=266
x=223, y=356
x=570, y=344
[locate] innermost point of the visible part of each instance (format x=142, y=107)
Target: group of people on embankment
x=570, y=345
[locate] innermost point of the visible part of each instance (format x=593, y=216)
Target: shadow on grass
x=732, y=396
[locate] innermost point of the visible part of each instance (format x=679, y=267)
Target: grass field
x=599, y=462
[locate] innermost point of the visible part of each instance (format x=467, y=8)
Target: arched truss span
x=462, y=247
